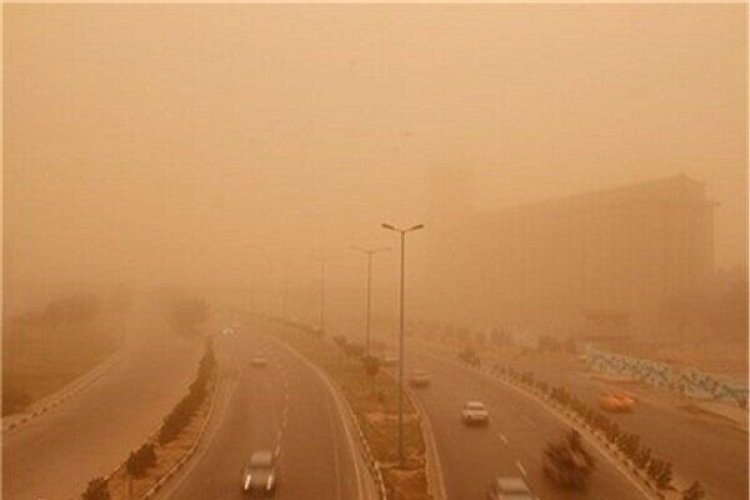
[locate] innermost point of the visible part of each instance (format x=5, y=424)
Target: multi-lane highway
x=285, y=407
x=289, y=408
x=55, y=455
x=513, y=443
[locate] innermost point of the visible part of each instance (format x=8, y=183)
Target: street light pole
x=322, y=320
x=401, y=338
x=369, y=253
x=322, y=295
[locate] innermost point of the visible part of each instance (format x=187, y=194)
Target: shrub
x=694, y=492
x=642, y=457
x=354, y=350
x=96, y=490
x=371, y=364
x=140, y=461
x=664, y=478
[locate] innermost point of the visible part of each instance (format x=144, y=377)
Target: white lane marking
x=502, y=437
x=520, y=468
x=336, y=399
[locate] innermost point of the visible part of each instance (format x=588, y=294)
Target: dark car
x=259, y=362
x=259, y=475
x=509, y=488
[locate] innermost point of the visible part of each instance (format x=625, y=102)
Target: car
x=259, y=475
x=419, y=378
x=259, y=362
x=475, y=413
x=390, y=361
x=617, y=402
x=509, y=488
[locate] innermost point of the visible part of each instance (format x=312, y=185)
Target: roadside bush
x=96, y=490
x=665, y=475
x=140, y=461
x=642, y=457
x=660, y=472
x=694, y=492
x=371, y=364
x=628, y=444
x=180, y=416
x=354, y=350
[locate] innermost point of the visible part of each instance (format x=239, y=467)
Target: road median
x=149, y=467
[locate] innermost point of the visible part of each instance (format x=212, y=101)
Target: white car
x=259, y=474
x=390, y=360
x=419, y=378
x=509, y=488
x=475, y=413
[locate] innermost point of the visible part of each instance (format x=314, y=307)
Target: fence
x=687, y=381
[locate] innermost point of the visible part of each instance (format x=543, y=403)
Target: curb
x=433, y=467
x=183, y=460
x=189, y=454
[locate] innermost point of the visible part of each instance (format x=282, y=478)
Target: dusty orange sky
x=177, y=142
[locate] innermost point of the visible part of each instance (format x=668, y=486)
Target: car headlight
x=269, y=483
x=248, y=481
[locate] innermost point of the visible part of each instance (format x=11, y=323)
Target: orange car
x=617, y=402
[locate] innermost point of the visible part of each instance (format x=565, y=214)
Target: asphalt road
x=699, y=447
x=513, y=443
x=285, y=405
x=55, y=455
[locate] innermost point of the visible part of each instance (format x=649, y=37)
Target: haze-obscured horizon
x=202, y=144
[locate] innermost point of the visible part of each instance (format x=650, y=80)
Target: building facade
x=607, y=259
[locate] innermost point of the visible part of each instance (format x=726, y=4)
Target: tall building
x=611, y=258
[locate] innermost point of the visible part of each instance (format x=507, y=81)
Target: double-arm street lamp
x=401, y=339
x=370, y=252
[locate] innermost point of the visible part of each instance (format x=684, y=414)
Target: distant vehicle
x=419, y=378
x=259, y=475
x=567, y=463
x=259, y=362
x=509, y=488
x=475, y=413
x=617, y=402
x=390, y=360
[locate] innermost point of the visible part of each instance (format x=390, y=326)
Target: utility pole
x=401, y=338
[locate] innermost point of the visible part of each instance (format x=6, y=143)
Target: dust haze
x=580, y=171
